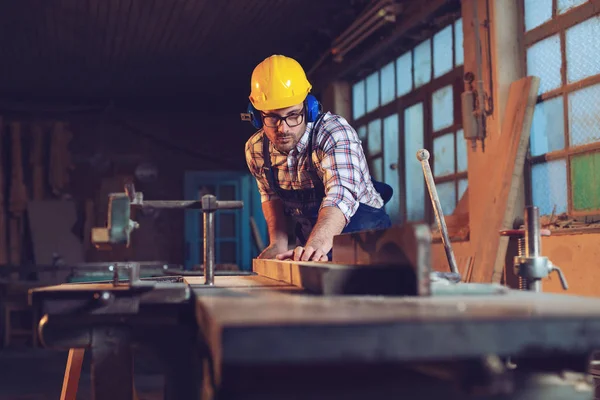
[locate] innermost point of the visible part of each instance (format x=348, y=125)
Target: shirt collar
x=303, y=142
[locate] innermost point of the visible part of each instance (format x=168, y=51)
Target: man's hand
x=307, y=253
x=271, y=252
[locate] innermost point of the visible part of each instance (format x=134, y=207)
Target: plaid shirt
x=338, y=158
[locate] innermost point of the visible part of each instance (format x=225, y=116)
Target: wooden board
x=239, y=282
x=338, y=279
x=505, y=165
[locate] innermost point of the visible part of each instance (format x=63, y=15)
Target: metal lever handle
x=423, y=157
x=561, y=276
x=229, y=204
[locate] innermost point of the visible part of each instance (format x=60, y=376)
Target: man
x=308, y=165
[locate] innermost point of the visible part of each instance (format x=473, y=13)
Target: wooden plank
x=338, y=279
x=18, y=195
x=505, y=165
x=36, y=160
x=3, y=226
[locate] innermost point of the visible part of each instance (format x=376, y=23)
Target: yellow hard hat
x=278, y=82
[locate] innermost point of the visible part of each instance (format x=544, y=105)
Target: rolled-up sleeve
x=253, y=158
x=340, y=164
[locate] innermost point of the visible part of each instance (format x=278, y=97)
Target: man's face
x=284, y=127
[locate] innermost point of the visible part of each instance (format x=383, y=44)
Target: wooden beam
x=414, y=18
x=506, y=172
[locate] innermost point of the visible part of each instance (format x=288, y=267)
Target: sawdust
x=564, y=221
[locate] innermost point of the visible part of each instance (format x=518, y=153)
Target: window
x=565, y=134
x=413, y=102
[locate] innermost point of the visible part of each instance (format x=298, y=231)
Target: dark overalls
x=365, y=218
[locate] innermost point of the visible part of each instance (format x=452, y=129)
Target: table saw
x=387, y=328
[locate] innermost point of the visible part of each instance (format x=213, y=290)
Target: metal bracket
x=531, y=266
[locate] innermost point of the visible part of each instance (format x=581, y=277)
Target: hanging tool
x=423, y=157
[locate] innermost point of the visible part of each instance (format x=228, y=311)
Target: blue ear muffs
x=255, y=117
x=313, y=108
x=312, y=105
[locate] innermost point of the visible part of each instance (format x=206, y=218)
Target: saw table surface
x=274, y=325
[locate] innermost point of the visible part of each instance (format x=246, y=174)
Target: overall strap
x=270, y=171
x=316, y=180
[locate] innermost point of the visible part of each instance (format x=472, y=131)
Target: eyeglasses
x=292, y=120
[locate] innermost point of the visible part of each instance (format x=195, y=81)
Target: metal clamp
x=120, y=226
x=530, y=265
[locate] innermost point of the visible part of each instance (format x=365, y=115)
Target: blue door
x=234, y=244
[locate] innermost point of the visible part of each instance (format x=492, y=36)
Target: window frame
x=559, y=24
x=423, y=93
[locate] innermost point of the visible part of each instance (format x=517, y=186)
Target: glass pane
x=544, y=60
x=362, y=132
x=423, y=63
x=549, y=186
x=442, y=51
x=404, y=74
x=374, y=138
x=442, y=103
x=391, y=156
x=583, y=50
x=462, y=187
x=226, y=224
x=563, y=6
x=388, y=87
x=443, y=155
x=547, y=127
x=415, y=183
x=462, y=158
x=358, y=99
x=227, y=253
x=206, y=189
x=584, y=116
x=376, y=168
x=537, y=12
x=459, y=57
x=372, y=91
x=447, y=194
x=585, y=181
x=226, y=192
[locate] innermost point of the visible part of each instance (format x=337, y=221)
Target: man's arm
x=272, y=206
x=331, y=222
x=276, y=225
x=341, y=160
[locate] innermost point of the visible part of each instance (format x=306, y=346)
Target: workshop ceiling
x=164, y=52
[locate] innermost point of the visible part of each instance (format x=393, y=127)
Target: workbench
x=250, y=336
